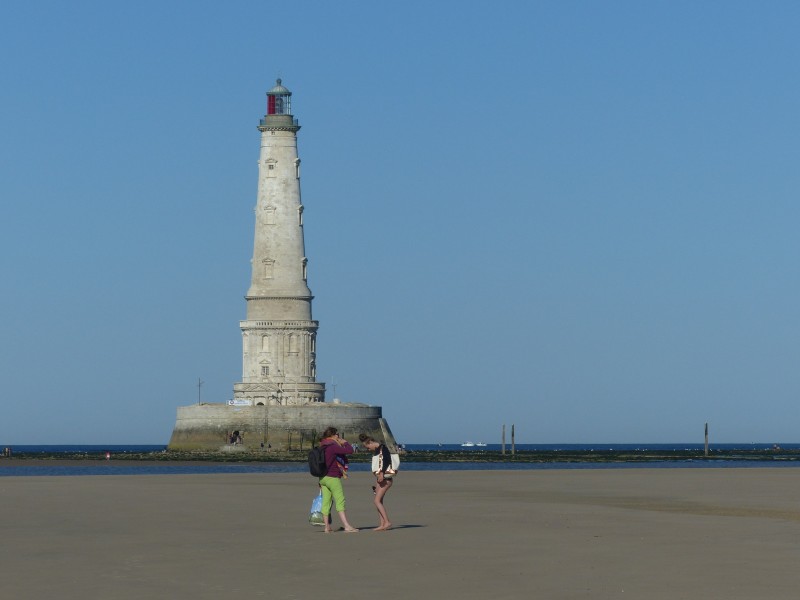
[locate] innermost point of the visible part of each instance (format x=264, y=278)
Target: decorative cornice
x=282, y=387
x=277, y=324
x=279, y=297
x=292, y=128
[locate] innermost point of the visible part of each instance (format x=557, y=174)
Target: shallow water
x=22, y=467
x=671, y=447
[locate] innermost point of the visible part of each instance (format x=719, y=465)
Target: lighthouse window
x=271, y=167
x=269, y=214
x=305, y=269
x=264, y=371
x=265, y=343
x=300, y=215
x=297, y=168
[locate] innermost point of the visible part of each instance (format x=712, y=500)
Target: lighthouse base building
x=211, y=426
x=278, y=403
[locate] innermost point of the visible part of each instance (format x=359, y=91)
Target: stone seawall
x=208, y=426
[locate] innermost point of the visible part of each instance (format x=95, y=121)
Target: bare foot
x=351, y=530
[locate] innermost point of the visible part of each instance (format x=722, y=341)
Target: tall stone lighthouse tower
x=279, y=335
x=278, y=403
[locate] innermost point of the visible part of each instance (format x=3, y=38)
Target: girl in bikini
x=383, y=475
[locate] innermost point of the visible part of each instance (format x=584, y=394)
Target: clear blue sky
x=577, y=217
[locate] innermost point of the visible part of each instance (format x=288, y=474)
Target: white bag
x=376, y=463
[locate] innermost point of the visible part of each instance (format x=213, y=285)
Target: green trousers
x=331, y=491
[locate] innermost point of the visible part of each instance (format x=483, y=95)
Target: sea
x=19, y=468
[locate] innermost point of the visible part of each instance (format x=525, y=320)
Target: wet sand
x=638, y=533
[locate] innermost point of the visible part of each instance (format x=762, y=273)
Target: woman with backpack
x=336, y=451
x=384, y=474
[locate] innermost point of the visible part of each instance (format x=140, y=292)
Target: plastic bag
x=315, y=517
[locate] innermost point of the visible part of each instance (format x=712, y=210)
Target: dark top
x=384, y=459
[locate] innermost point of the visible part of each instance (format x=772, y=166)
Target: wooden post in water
x=504, y=439
x=513, y=446
x=706, y=440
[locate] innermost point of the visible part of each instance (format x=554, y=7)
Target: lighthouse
x=279, y=335
x=278, y=403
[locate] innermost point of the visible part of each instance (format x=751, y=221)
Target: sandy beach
x=638, y=533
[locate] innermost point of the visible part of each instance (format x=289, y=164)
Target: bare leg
x=380, y=492
x=327, y=519
x=347, y=527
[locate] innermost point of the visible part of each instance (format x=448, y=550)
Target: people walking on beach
x=336, y=451
x=383, y=474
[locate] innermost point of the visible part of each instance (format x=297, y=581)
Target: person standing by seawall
x=336, y=451
x=383, y=475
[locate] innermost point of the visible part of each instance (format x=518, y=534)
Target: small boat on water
x=481, y=445
x=467, y=445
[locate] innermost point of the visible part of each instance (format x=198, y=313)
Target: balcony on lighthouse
x=279, y=109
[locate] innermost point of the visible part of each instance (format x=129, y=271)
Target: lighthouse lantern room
x=279, y=100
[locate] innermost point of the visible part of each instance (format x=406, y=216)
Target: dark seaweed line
x=433, y=456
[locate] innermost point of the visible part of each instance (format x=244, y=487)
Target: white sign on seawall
x=240, y=402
